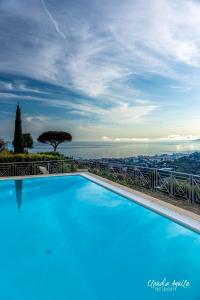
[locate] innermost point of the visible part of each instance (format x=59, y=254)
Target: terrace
x=68, y=222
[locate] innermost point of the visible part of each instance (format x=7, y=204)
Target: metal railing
x=173, y=184
x=32, y=168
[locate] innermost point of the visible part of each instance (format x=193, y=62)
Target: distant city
x=180, y=162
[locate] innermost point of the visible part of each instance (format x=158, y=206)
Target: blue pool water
x=67, y=238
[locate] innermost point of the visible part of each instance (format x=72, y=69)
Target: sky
x=101, y=70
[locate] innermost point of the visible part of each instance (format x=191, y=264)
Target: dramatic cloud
x=109, y=63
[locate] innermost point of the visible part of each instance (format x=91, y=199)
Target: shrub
x=53, y=154
x=68, y=168
x=7, y=156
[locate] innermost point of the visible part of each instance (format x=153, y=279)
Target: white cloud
x=37, y=118
x=122, y=139
x=169, y=138
x=22, y=87
x=141, y=37
x=165, y=30
x=177, y=137
x=90, y=70
x=181, y=88
x=113, y=113
x=125, y=114
x=121, y=114
x=55, y=23
x=7, y=86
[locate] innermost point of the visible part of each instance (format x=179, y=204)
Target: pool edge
x=181, y=216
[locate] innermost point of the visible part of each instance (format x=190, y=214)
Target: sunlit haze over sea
x=120, y=149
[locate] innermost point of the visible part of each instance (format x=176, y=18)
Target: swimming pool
x=68, y=238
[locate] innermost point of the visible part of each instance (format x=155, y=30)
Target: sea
x=107, y=149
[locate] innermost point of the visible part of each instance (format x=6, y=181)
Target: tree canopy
x=54, y=138
x=28, y=140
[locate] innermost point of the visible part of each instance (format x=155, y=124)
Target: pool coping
x=179, y=215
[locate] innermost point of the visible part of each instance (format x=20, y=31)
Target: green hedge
x=6, y=157
x=52, y=153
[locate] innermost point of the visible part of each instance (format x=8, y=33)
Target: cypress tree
x=18, y=136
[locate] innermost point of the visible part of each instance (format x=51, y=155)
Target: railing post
x=134, y=175
x=48, y=166
x=192, y=186
x=171, y=189
x=154, y=179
